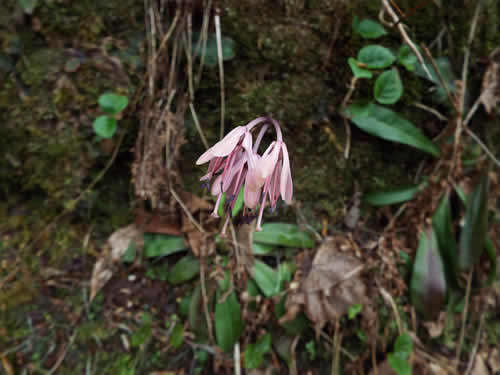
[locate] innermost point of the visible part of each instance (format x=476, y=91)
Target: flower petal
x=286, y=184
x=224, y=147
x=251, y=194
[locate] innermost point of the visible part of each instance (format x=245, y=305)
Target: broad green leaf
x=357, y=71
x=228, y=322
x=262, y=249
x=442, y=224
x=156, y=245
x=177, y=336
x=400, y=366
x=384, y=198
x=184, y=304
x=129, y=255
x=211, y=57
x=475, y=229
x=354, y=310
x=403, y=347
x=105, y=126
x=283, y=234
x=196, y=316
x=254, y=353
x=376, y=56
x=368, y=29
x=28, y=5
x=428, y=282
x=407, y=58
x=266, y=278
x=112, y=103
x=388, y=87
x=184, y=270
x=158, y=272
x=386, y=124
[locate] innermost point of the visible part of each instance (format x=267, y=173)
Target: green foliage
x=354, y=310
x=228, y=320
x=262, y=249
x=376, y=57
x=177, y=335
x=238, y=204
x=428, y=282
x=474, y=232
x=254, y=353
x=445, y=71
x=388, y=87
x=357, y=70
x=210, y=54
x=28, y=5
x=398, y=359
x=105, y=126
x=283, y=234
x=184, y=270
x=157, y=245
x=386, y=124
x=144, y=333
x=368, y=29
x=400, y=195
x=407, y=58
x=267, y=279
x=311, y=349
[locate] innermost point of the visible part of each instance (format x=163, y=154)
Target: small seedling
x=113, y=104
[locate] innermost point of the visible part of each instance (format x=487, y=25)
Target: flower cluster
x=235, y=161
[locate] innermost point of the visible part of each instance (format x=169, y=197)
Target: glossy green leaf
x=428, y=282
x=403, y=347
x=358, y=71
x=184, y=270
x=474, y=232
x=386, y=124
x=368, y=29
x=282, y=234
x=399, y=365
x=254, y=353
x=388, y=87
x=262, y=248
x=354, y=310
x=177, y=335
x=105, y=126
x=442, y=224
x=129, y=255
x=266, y=278
x=211, y=57
x=407, y=58
x=376, y=57
x=394, y=196
x=156, y=245
x=112, y=103
x=228, y=321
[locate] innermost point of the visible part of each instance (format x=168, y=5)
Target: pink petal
x=216, y=188
x=267, y=162
x=251, y=194
x=224, y=147
x=286, y=184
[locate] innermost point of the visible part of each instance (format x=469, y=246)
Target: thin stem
x=221, y=71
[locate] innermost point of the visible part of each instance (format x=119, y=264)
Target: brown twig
x=347, y=97
x=464, y=319
x=221, y=70
x=479, y=332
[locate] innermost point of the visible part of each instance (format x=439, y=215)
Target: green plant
x=398, y=359
x=113, y=104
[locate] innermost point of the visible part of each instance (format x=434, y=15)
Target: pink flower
x=234, y=161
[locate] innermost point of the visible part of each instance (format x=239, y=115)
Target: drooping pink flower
x=235, y=161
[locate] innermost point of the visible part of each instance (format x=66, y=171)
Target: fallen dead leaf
x=114, y=250
x=490, y=90
x=332, y=285
x=435, y=328
x=156, y=223
x=494, y=361
x=479, y=367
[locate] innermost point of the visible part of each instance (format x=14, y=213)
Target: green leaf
x=129, y=255
x=185, y=269
x=238, y=204
x=254, y=353
x=311, y=349
x=368, y=29
x=177, y=336
x=28, y=5
x=112, y=103
x=386, y=124
x=403, y=347
x=228, y=322
x=388, y=87
x=442, y=224
x=283, y=234
x=384, y=198
x=157, y=245
x=376, y=56
x=357, y=71
x=446, y=72
x=262, y=249
x=105, y=126
x=474, y=232
x=407, y=58
x=144, y=333
x=211, y=57
x=400, y=366
x=492, y=255
x=428, y=283
x=266, y=278
x=354, y=310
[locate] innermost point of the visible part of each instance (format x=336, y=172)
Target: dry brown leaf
x=118, y=242
x=435, y=328
x=479, y=367
x=200, y=243
x=156, y=223
x=490, y=90
x=494, y=361
x=194, y=203
x=332, y=285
